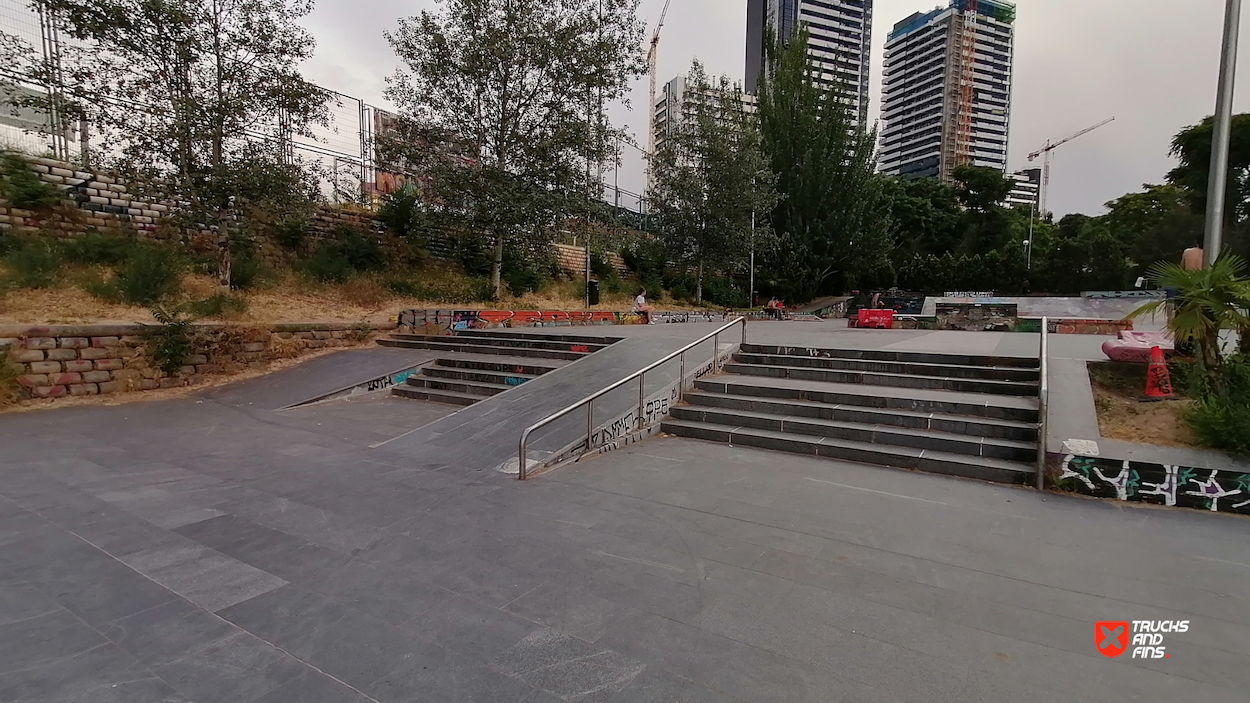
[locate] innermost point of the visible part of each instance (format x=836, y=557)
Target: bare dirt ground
x=290, y=299
x=1123, y=416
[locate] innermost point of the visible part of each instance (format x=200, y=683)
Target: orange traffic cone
x=1158, y=380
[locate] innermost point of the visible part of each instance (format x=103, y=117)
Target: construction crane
x=1048, y=151
x=653, y=56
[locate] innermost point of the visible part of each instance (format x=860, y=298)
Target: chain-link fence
x=339, y=151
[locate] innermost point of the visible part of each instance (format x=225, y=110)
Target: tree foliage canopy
x=711, y=188
x=831, y=217
x=502, y=102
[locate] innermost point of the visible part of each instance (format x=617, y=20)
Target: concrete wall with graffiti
x=1216, y=490
x=448, y=321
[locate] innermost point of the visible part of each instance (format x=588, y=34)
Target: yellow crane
x=1047, y=151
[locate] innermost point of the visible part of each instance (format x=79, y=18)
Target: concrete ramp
x=1068, y=308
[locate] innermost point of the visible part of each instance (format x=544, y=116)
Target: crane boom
x=653, y=55
x=1049, y=150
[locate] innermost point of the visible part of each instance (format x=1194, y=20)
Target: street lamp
x=1218, y=178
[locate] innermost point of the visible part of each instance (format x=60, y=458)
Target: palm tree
x=1208, y=301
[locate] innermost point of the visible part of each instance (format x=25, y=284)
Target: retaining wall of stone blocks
x=76, y=360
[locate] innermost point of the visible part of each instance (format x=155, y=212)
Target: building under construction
x=947, y=90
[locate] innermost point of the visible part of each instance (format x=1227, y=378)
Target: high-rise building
x=1027, y=190
x=677, y=103
x=839, y=44
x=947, y=90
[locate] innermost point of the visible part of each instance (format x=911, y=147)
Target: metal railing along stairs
x=640, y=420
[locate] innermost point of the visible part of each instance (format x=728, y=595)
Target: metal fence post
x=681, y=379
x=716, y=354
x=590, y=423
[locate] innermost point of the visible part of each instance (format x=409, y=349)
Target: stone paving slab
x=199, y=550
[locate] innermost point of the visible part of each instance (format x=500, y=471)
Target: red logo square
x=1111, y=638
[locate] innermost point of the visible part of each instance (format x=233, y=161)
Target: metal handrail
x=1043, y=403
x=589, y=401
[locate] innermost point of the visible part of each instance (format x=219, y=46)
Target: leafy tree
x=197, y=95
x=1154, y=225
x=1192, y=146
x=500, y=103
x=832, y=219
x=709, y=176
x=1210, y=300
x=925, y=216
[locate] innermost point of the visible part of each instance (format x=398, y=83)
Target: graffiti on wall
x=1216, y=490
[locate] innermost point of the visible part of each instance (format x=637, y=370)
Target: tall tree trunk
x=698, y=294
x=496, y=269
x=1244, y=347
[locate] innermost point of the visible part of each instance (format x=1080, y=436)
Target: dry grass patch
x=1123, y=416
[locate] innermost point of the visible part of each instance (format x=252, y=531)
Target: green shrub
x=351, y=251
x=441, y=287
x=98, y=248
x=1221, y=415
x=400, y=212
x=218, y=305
x=10, y=391
x=34, y=263
x=169, y=344
x=8, y=242
x=22, y=187
x=291, y=234
x=150, y=274
x=245, y=269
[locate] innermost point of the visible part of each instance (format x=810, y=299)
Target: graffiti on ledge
x=447, y=321
x=1216, y=490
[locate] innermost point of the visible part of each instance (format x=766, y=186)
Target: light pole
x=1218, y=180
x=1029, y=259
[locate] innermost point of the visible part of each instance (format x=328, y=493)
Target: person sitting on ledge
x=641, y=307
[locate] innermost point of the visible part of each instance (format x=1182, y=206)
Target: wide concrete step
x=899, y=356
x=485, y=348
x=508, y=379
x=979, y=467
x=477, y=388
x=971, y=445
x=497, y=364
x=940, y=422
x=437, y=396
x=912, y=368
x=873, y=378
x=504, y=340
x=921, y=400
x=573, y=338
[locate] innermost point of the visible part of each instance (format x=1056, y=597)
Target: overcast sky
x=1150, y=63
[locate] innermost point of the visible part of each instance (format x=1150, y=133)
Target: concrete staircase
x=478, y=364
x=973, y=416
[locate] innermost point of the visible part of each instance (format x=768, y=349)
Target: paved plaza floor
x=216, y=548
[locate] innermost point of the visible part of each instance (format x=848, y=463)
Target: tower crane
x=1049, y=150
x=653, y=55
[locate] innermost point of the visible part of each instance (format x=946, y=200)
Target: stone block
x=254, y=346
x=314, y=344
x=129, y=375
x=322, y=334
x=74, y=342
x=93, y=353
x=64, y=379
x=46, y=367
x=99, y=200
x=84, y=389
x=49, y=391
x=9, y=342
x=97, y=376
x=109, y=365
x=26, y=356
x=79, y=366
x=40, y=343
x=133, y=340
x=197, y=359
x=186, y=371
x=101, y=342
x=338, y=334
x=31, y=380
x=149, y=372
x=62, y=354
x=208, y=368
x=148, y=384
x=304, y=335
x=285, y=335
x=171, y=382
x=62, y=172
x=112, y=387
